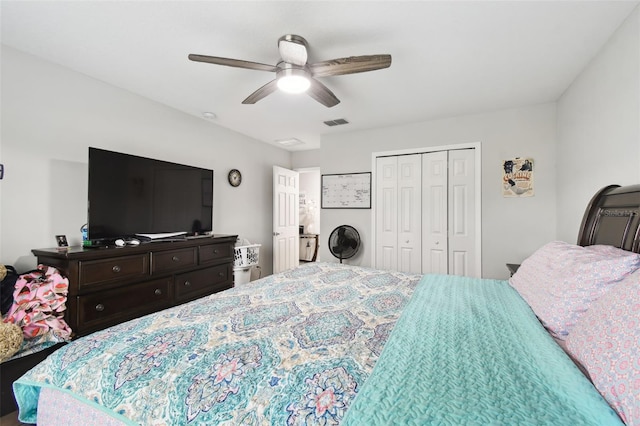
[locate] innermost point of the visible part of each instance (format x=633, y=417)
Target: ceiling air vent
x=336, y=122
x=290, y=142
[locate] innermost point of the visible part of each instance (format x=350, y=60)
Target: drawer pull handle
x=99, y=307
x=158, y=292
x=187, y=283
x=175, y=259
x=221, y=274
x=215, y=251
x=116, y=269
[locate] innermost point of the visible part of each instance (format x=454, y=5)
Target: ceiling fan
x=295, y=75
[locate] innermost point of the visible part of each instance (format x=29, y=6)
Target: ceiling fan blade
x=322, y=94
x=232, y=62
x=262, y=92
x=293, y=49
x=350, y=65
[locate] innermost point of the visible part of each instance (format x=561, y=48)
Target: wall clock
x=235, y=178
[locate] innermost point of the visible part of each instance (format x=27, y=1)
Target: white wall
x=51, y=115
x=599, y=127
x=305, y=159
x=512, y=228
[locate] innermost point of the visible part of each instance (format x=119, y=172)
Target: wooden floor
x=10, y=419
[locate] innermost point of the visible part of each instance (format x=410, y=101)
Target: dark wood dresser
x=114, y=284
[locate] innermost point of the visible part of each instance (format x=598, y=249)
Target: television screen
x=131, y=195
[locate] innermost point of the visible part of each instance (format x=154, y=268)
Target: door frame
x=477, y=146
x=318, y=229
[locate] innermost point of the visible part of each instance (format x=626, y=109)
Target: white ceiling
x=449, y=57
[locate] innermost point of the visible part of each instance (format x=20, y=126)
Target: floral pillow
x=605, y=341
x=560, y=280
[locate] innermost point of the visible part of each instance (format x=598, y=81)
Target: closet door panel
x=434, y=212
x=386, y=213
x=459, y=205
x=462, y=230
x=460, y=263
x=387, y=258
x=410, y=213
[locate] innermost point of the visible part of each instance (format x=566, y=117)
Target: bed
x=331, y=344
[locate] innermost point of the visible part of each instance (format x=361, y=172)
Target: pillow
x=560, y=280
x=605, y=341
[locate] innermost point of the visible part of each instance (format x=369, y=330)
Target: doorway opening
x=309, y=207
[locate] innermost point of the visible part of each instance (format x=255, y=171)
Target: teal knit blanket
x=470, y=351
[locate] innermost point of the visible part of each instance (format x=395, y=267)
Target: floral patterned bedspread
x=291, y=348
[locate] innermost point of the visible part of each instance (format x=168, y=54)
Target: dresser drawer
x=215, y=252
x=94, y=273
x=173, y=260
x=203, y=281
x=101, y=309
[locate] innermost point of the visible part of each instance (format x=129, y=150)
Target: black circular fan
x=344, y=242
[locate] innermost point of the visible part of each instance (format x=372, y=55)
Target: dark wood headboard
x=613, y=218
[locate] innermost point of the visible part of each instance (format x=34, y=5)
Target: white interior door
x=398, y=217
x=462, y=199
x=434, y=212
x=387, y=213
x=285, y=219
x=409, y=213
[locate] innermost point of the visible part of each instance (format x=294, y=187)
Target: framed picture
x=346, y=191
x=62, y=240
x=517, y=178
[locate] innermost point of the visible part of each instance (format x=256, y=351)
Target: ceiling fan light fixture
x=293, y=80
x=294, y=74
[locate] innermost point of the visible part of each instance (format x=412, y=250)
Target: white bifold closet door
x=435, y=212
x=425, y=211
x=398, y=213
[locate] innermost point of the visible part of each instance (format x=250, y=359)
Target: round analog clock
x=235, y=177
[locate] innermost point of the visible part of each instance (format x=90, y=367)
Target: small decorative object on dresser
x=62, y=240
x=235, y=177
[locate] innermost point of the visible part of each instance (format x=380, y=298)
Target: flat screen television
x=130, y=195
